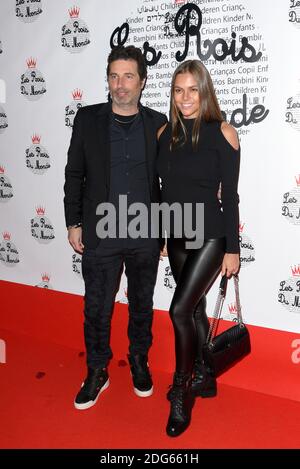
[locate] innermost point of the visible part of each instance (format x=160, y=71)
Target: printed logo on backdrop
x=75, y=34
x=231, y=313
x=28, y=10
x=6, y=190
x=291, y=204
x=76, y=264
x=3, y=120
x=1, y=50
x=169, y=282
x=33, y=84
x=9, y=254
x=247, y=255
x=37, y=158
x=72, y=108
x=289, y=291
x=41, y=227
x=45, y=283
x=294, y=13
x=222, y=34
x=292, y=115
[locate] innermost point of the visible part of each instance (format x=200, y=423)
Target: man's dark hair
x=128, y=53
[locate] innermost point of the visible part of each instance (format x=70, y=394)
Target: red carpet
x=42, y=375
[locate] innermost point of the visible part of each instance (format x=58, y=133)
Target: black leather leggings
x=194, y=271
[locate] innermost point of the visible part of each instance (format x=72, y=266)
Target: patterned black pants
x=102, y=269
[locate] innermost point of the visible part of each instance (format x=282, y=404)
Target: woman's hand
x=231, y=264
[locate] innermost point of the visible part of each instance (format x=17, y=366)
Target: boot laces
x=177, y=395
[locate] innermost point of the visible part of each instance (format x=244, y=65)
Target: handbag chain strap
x=219, y=305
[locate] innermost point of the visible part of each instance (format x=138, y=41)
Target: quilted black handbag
x=221, y=352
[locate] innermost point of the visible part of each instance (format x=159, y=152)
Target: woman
x=197, y=152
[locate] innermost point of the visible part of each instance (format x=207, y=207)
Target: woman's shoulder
x=162, y=130
x=230, y=134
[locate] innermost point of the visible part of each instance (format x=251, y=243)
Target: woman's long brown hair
x=209, y=106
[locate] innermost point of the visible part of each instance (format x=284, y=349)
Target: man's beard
x=124, y=101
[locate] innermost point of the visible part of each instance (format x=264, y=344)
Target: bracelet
x=78, y=225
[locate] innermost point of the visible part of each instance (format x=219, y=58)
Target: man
x=112, y=153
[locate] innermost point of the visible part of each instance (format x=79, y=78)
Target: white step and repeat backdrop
x=52, y=61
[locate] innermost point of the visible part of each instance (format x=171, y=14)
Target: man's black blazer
x=87, y=172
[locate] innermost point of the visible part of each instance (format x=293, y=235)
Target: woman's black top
x=194, y=176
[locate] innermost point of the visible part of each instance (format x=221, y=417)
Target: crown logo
x=2, y=169
x=241, y=227
x=178, y=2
x=31, y=63
x=232, y=308
x=74, y=12
x=77, y=94
x=40, y=210
x=6, y=236
x=296, y=270
x=45, y=277
x=297, y=180
x=36, y=138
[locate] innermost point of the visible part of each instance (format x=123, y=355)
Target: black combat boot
x=182, y=401
x=204, y=384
